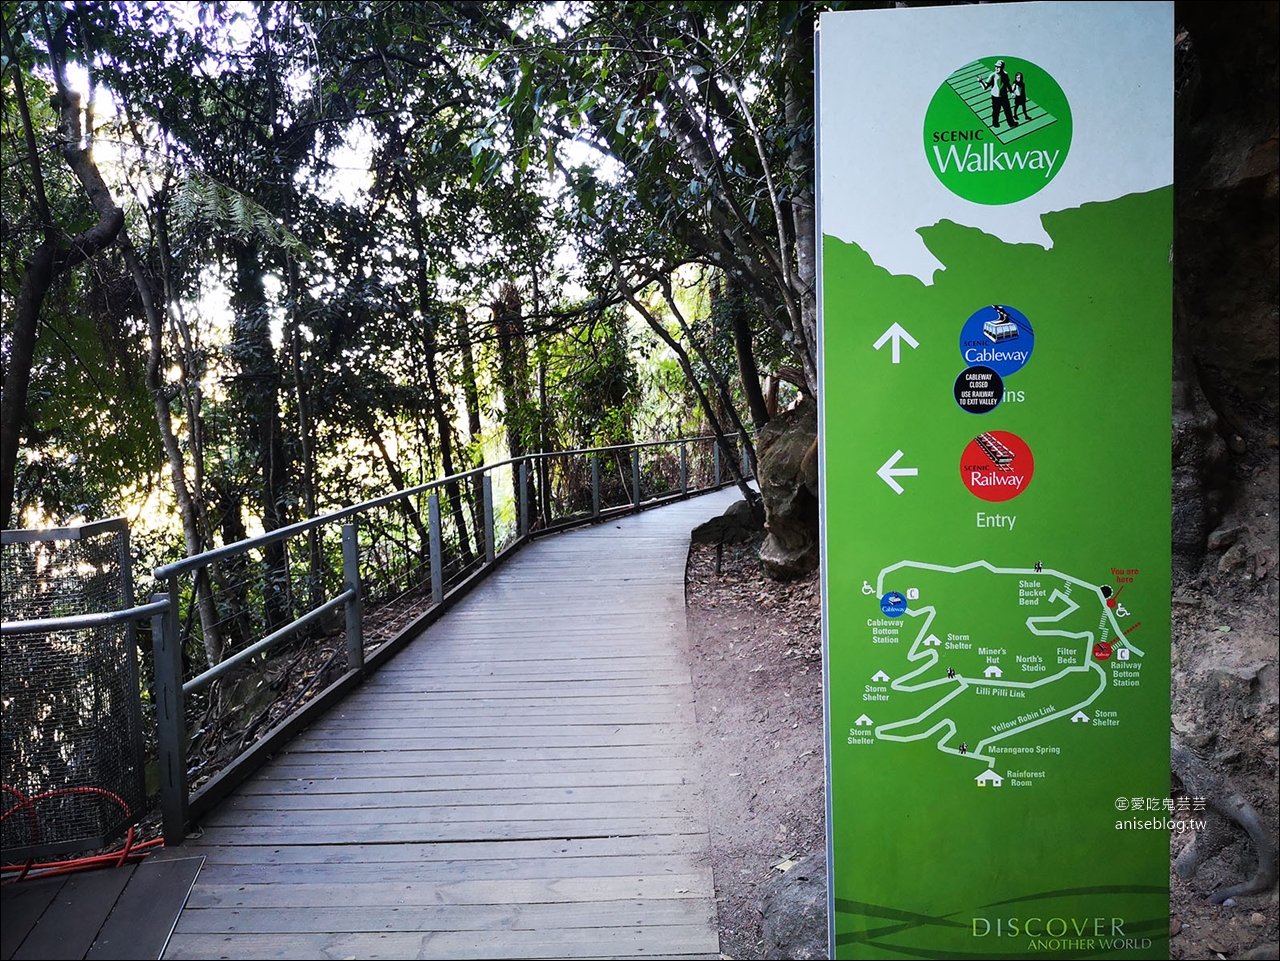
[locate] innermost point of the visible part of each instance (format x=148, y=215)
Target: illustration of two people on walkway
x=1007, y=95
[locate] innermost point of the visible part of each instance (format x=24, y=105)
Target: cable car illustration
x=1002, y=328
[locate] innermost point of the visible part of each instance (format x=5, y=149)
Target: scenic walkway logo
x=997, y=130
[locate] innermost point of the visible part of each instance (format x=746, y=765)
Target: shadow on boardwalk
x=518, y=782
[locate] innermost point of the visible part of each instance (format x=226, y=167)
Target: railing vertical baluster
x=684, y=468
x=742, y=447
x=134, y=704
x=166, y=642
x=354, y=607
x=595, y=485
x=490, y=544
x=635, y=477
x=715, y=461
x=522, y=495
x=437, y=560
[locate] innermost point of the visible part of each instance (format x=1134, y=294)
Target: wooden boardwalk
x=517, y=783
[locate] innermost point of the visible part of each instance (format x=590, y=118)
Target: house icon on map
x=931, y=641
x=992, y=671
x=989, y=777
x=1079, y=716
x=863, y=721
x=879, y=676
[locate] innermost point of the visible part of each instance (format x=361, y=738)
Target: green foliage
x=311, y=306
x=596, y=388
x=198, y=198
x=86, y=437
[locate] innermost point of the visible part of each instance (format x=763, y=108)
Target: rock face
x=793, y=911
x=786, y=452
x=1226, y=282
x=1226, y=394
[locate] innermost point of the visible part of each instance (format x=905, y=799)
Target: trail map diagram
x=986, y=653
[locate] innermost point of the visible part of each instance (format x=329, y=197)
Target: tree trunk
x=36, y=281
x=469, y=389
x=735, y=307
x=194, y=543
x=439, y=411
x=722, y=388
x=513, y=377
x=629, y=292
x=797, y=101
x=444, y=430
x=306, y=438
x=257, y=390
x=543, y=464
x=50, y=258
x=472, y=398
x=400, y=484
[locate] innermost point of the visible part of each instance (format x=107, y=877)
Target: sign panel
x=996, y=213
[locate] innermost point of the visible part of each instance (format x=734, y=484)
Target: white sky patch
x=880, y=69
x=347, y=176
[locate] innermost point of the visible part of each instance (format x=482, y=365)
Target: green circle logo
x=997, y=131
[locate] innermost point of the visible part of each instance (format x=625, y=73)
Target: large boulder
x=787, y=472
x=793, y=911
x=735, y=526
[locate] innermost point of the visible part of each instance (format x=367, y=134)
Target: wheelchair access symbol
x=867, y=588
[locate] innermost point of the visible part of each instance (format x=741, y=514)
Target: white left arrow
x=888, y=472
x=897, y=334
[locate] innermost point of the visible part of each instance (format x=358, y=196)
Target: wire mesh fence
x=72, y=768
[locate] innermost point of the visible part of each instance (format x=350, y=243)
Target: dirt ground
x=757, y=676
x=756, y=653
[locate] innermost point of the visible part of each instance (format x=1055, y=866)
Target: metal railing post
x=742, y=447
x=490, y=544
x=595, y=485
x=134, y=702
x=522, y=495
x=354, y=607
x=437, y=561
x=684, y=468
x=635, y=477
x=715, y=460
x=166, y=642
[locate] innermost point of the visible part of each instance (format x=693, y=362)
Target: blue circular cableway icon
x=999, y=337
x=893, y=604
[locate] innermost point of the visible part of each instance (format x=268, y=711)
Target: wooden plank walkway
x=517, y=783
x=125, y=912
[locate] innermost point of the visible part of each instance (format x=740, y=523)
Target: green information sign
x=996, y=214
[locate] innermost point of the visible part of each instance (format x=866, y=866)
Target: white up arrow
x=888, y=472
x=898, y=335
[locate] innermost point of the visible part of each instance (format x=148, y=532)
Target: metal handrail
x=282, y=533
x=168, y=637
x=76, y=622
x=301, y=527
x=79, y=532
x=201, y=681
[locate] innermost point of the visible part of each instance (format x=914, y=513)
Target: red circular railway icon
x=1102, y=650
x=997, y=466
